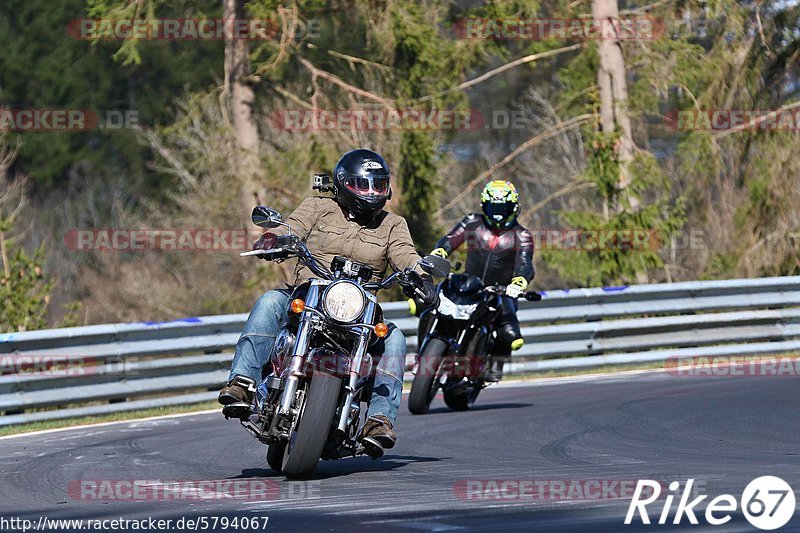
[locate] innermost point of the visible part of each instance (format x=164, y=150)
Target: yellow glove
x=441, y=252
x=516, y=287
x=519, y=280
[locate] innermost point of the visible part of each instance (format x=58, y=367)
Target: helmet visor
x=499, y=212
x=367, y=186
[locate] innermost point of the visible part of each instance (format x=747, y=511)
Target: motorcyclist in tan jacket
x=352, y=224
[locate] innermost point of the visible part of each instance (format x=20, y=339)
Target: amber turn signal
x=381, y=329
x=298, y=305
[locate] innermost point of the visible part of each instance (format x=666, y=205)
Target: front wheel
x=464, y=398
x=308, y=437
x=423, y=388
x=275, y=453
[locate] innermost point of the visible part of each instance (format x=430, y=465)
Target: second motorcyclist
x=499, y=251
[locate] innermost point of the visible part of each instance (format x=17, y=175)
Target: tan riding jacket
x=327, y=232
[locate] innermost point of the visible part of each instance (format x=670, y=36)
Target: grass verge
x=111, y=417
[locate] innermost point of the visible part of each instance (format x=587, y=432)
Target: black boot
x=237, y=397
x=378, y=435
x=495, y=373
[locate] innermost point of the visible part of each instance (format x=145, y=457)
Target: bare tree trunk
x=4, y=254
x=241, y=101
x=613, y=87
x=614, y=101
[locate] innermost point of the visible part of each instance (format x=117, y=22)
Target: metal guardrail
x=120, y=367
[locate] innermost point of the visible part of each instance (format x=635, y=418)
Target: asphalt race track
x=722, y=432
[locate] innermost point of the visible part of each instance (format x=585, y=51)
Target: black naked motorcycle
x=309, y=403
x=455, y=340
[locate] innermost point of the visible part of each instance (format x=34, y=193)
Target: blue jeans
x=269, y=316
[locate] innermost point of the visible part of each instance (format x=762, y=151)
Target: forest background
x=679, y=128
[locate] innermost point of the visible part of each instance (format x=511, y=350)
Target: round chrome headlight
x=343, y=301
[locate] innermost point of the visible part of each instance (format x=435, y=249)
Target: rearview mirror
x=266, y=217
x=436, y=266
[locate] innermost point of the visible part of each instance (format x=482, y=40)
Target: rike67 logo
x=767, y=502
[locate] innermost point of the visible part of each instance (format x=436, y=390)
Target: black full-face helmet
x=361, y=182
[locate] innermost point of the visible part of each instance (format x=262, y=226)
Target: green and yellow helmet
x=500, y=203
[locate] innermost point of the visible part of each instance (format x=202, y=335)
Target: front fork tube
x=356, y=361
x=295, y=370
x=298, y=361
x=359, y=353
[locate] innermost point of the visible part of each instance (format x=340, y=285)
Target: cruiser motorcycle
x=311, y=402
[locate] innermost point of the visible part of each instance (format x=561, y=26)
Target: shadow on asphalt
x=347, y=466
x=480, y=407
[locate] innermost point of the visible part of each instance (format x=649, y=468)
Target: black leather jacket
x=495, y=256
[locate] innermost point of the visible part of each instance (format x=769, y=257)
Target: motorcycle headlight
x=343, y=301
x=459, y=312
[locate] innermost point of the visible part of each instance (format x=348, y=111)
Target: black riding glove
x=431, y=298
x=424, y=285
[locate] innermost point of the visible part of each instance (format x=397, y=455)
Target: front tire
x=424, y=385
x=463, y=400
x=308, y=438
x=275, y=453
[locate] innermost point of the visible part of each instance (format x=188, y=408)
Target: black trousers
x=506, y=326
